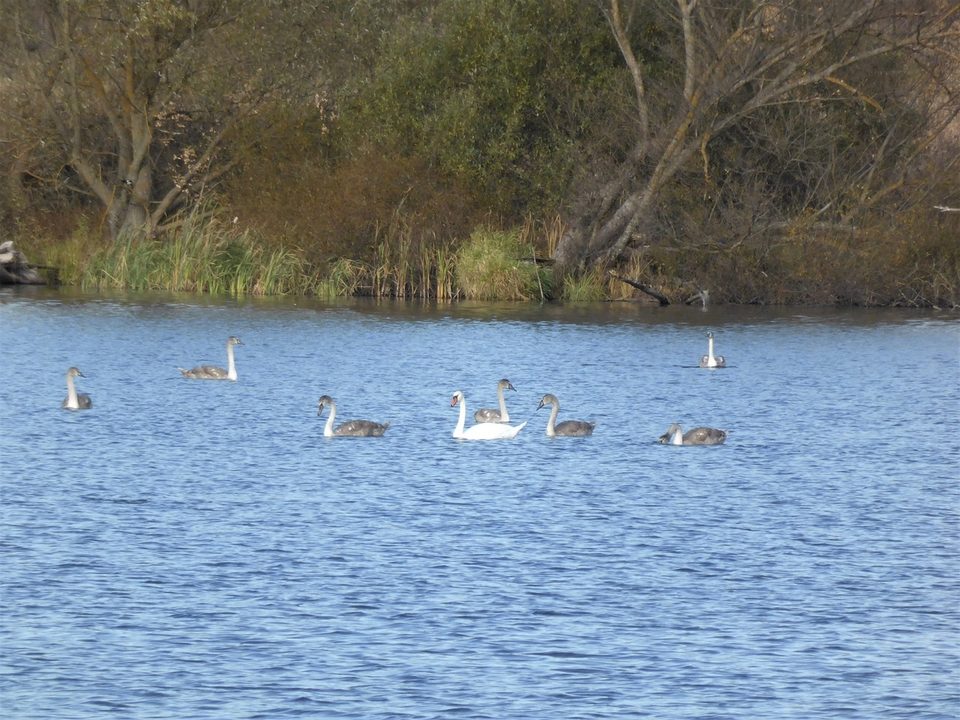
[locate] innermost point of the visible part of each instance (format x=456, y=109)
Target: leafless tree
x=106, y=73
x=738, y=59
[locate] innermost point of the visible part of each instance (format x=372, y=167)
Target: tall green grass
x=909, y=264
x=588, y=287
x=491, y=264
x=499, y=265
x=405, y=265
x=202, y=254
x=443, y=269
x=69, y=255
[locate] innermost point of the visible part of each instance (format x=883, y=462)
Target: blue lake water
x=192, y=549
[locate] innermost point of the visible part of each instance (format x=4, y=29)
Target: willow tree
x=138, y=99
x=717, y=66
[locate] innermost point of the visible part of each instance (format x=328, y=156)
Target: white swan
x=351, y=428
x=481, y=431
x=75, y=400
x=488, y=415
x=710, y=360
x=212, y=372
x=698, y=436
x=568, y=428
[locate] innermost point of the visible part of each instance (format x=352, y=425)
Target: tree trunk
x=736, y=60
x=106, y=87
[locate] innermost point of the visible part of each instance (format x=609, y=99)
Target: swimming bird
x=480, y=431
x=710, y=360
x=568, y=428
x=351, y=428
x=75, y=400
x=698, y=436
x=488, y=415
x=212, y=372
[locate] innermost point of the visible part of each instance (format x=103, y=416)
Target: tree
x=107, y=74
x=493, y=92
x=718, y=67
x=134, y=104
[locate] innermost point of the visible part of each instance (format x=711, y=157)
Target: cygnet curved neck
x=73, y=401
x=231, y=364
x=504, y=415
x=552, y=421
x=328, y=427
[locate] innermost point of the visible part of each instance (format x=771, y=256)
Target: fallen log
x=660, y=297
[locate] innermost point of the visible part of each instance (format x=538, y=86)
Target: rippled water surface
x=193, y=549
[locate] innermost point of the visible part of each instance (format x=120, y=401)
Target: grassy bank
x=201, y=254
x=204, y=253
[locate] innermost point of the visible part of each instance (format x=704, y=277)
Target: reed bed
x=405, y=264
x=205, y=254
x=202, y=255
x=906, y=265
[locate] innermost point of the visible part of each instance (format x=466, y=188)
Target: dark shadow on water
x=599, y=313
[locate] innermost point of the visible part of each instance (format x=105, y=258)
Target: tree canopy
x=643, y=123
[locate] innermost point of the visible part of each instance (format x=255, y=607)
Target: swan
x=481, y=431
x=698, y=436
x=212, y=372
x=710, y=360
x=492, y=415
x=568, y=428
x=75, y=400
x=354, y=428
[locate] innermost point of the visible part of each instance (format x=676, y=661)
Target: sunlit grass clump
x=201, y=255
x=498, y=265
x=589, y=287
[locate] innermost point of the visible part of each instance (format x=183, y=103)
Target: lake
x=197, y=549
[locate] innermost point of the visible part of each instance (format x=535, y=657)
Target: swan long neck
x=677, y=437
x=711, y=360
x=73, y=401
x=504, y=415
x=328, y=428
x=463, y=418
x=231, y=365
x=552, y=422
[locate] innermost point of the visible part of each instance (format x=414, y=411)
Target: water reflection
x=600, y=313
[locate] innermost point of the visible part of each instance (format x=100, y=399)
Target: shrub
x=497, y=265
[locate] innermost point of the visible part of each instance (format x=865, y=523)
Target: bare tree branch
x=737, y=64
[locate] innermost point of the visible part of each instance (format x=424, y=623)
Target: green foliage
x=357, y=209
x=70, y=254
x=587, y=287
x=492, y=91
x=202, y=255
x=496, y=265
x=364, y=143
x=346, y=277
